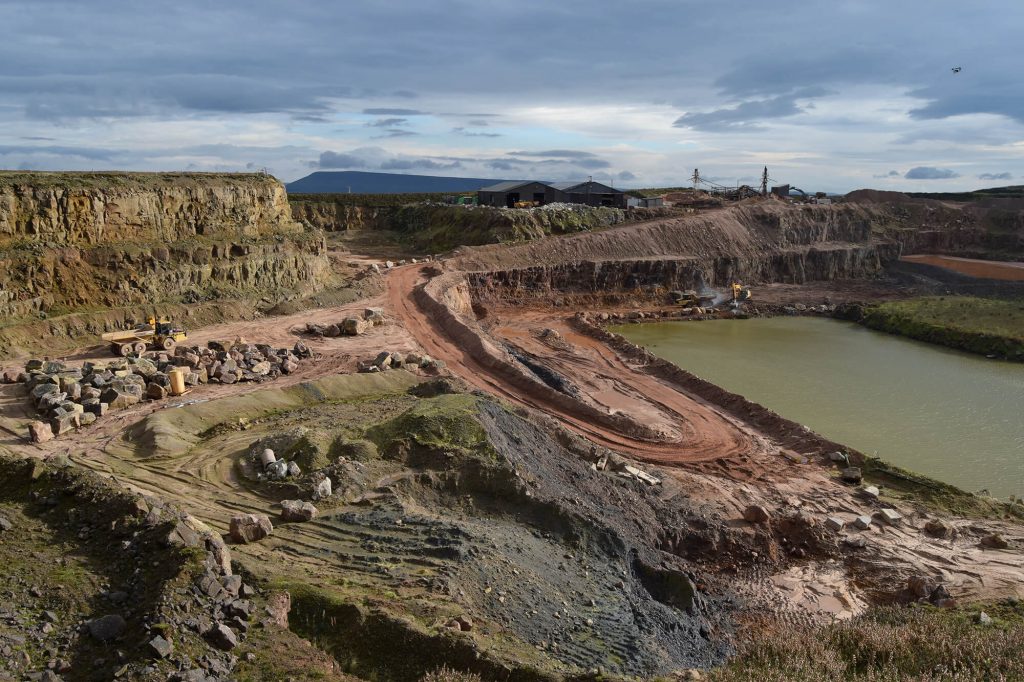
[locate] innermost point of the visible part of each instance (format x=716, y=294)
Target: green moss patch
x=990, y=327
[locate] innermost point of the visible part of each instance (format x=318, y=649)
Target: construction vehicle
x=157, y=335
x=740, y=293
x=686, y=298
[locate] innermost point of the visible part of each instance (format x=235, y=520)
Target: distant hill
x=1011, y=192
x=359, y=182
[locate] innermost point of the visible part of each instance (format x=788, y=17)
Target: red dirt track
x=695, y=431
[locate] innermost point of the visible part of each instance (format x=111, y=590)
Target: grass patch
x=991, y=327
x=892, y=643
x=433, y=431
x=939, y=496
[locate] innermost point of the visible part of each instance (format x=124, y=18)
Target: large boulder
x=246, y=528
x=107, y=628
x=297, y=511
x=40, y=432
x=353, y=326
x=65, y=423
x=123, y=392
x=221, y=636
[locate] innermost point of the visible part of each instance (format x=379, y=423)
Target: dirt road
x=693, y=430
x=983, y=269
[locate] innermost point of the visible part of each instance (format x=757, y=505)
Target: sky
x=830, y=96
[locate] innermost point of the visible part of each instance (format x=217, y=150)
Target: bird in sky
x=956, y=69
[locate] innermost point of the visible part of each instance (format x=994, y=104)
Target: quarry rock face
x=117, y=239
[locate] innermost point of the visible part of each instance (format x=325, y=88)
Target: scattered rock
x=279, y=604
x=983, y=619
x=247, y=528
x=835, y=523
x=755, y=513
x=297, y=511
x=323, y=489
x=889, y=516
x=40, y=432
x=936, y=528
x=870, y=492
x=5, y=524
x=160, y=647
x=107, y=628
x=863, y=522
x=852, y=475
x=920, y=587
x=994, y=541
x=222, y=637
x=855, y=541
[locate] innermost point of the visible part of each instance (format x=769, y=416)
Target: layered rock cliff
x=82, y=242
x=755, y=242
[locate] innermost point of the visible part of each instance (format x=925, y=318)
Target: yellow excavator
x=157, y=334
x=740, y=293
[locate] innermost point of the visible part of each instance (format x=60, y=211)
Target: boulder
x=323, y=489
x=863, y=522
x=936, y=528
x=277, y=470
x=755, y=513
x=835, y=523
x=107, y=628
x=156, y=392
x=294, y=469
x=65, y=423
x=301, y=350
x=246, y=528
x=889, y=516
x=994, y=541
x=870, y=492
x=297, y=511
x=221, y=636
x=920, y=587
x=261, y=368
x=160, y=647
x=332, y=330
x=40, y=432
x=852, y=475
x=383, y=360
x=397, y=359
x=41, y=390
x=353, y=326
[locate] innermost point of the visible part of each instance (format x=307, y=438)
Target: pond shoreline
x=755, y=413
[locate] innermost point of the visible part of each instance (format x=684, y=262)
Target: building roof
x=507, y=186
x=568, y=186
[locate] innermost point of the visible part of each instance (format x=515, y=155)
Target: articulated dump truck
x=157, y=335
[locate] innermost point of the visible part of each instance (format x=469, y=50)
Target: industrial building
x=533, y=192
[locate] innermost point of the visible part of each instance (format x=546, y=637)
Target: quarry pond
x=946, y=414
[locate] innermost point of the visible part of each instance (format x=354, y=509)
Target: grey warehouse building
x=590, y=193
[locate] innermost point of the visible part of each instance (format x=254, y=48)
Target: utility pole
x=764, y=182
x=696, y=179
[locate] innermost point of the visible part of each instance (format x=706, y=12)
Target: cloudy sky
x=830, y=96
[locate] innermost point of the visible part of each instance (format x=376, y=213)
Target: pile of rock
x=271, y=468
x=71, y=397
x=386, y=360
x=349, y=326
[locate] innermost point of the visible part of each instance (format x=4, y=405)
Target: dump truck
x=156, y=335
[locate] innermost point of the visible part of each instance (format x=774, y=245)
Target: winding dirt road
x=695, y=431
